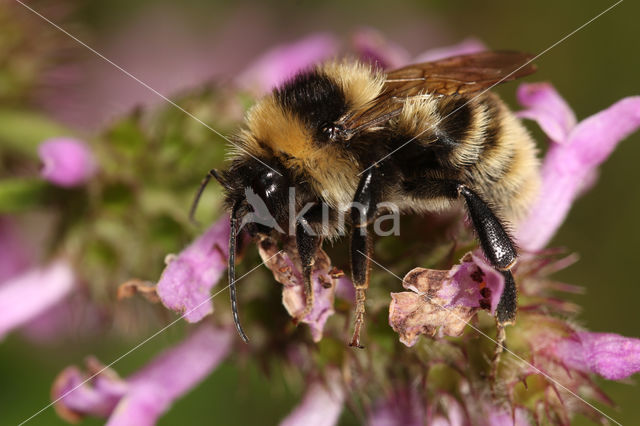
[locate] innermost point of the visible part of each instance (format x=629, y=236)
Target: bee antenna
x=213, y=173
x=232, y=271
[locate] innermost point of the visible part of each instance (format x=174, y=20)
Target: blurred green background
x=592, y=69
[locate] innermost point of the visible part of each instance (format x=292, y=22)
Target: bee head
x=257, y=193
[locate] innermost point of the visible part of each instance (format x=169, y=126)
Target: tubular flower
x=372, y=47
x=143, y=397
x=186, y=282
x=321, y=404
x=283, y=62
x=575, y=153
x=443, y=302
x=612, y=356
x=25, y=297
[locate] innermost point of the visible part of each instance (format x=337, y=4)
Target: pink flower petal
x=145, y=396
x=283, y=62
x=371, y=46
x=500, y=417
x=595, y=138
x=570, y=165
x=345, y=289
x=186, y=282
x=67, y=162
x=473, y=283
x=321, y=405
x=74, y=316
x=14, y=258
x=444, y=301
x=612, y=356
x=286, y=268
x=454, y=414
x=24, y=297
x=170, y=375
x=548, y=108
x=401, y=407
x=465, y=47
x=97, y=397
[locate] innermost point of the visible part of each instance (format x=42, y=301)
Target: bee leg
x=307, y=245
x=501, y=252
x=360, y=265
x=498, y=248
x=501, y=337
x=363, y=211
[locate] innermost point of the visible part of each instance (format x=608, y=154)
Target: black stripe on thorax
x=315, y=98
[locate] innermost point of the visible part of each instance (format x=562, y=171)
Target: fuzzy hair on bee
x=347, y=136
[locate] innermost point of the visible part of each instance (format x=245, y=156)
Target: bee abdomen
x=505, y=171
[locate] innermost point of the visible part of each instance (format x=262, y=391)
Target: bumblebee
x=347, y=136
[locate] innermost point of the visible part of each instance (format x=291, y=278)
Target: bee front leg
x=363, y=211
x=307, y=244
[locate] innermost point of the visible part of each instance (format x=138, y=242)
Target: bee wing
x=460, y=75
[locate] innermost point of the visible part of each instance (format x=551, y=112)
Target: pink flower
x=74, y=316
x=548, y=109
x=444, y=301
x=26, y=296
x=67, y=162
x=500, y=417
x=452, y=412
x=143, y=397
x=401, y=407
x=321, y=405
x=14, y=258
x=186, y=282
x=286, y=268
x=372, y=47
x=574, y=156
x=472, y=283
x=465, y=47
x=408, y=406
x=612, y=356
x=283, y=62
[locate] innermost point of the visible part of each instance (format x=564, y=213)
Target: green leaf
x=23, y=131
x=22, y=194
x=127, y=137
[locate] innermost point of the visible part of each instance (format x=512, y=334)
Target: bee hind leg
x=501, y=252
x=498, y=248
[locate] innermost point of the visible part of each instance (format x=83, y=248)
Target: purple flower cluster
x=31, y=296
x=439, y=302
